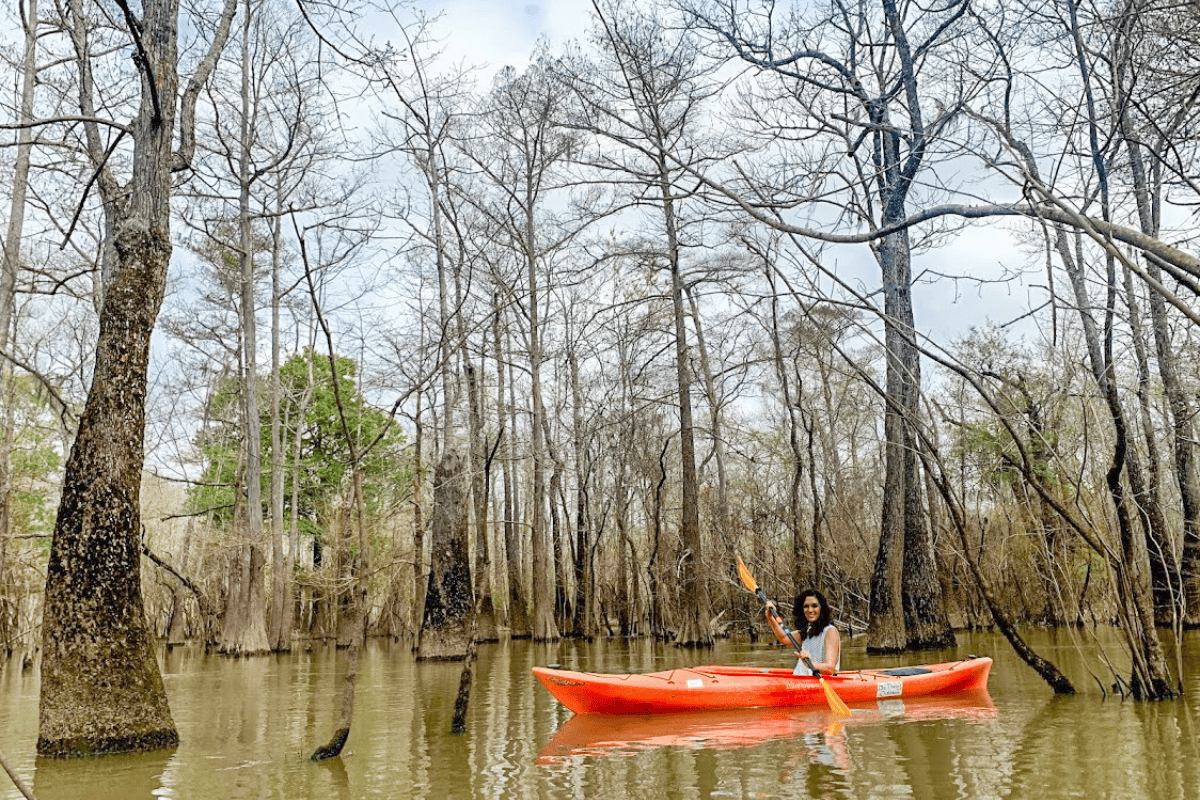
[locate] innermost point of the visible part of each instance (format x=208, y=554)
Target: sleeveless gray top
x=815, y=645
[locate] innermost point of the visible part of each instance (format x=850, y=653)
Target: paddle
x=835, y=703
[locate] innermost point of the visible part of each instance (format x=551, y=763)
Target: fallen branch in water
x=16, y=779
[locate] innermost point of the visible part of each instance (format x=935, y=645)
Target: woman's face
x=811, y=608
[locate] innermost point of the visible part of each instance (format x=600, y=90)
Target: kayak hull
x=712, y=688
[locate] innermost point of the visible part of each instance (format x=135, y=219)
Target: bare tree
x=521, y=157
x=643, y=105
x=864, y=119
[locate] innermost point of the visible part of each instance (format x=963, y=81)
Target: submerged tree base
x=448, y=643
x=885, y=650
x=85, y=746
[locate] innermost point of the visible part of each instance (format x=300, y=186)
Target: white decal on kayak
x=889, y=689
x=695, y=684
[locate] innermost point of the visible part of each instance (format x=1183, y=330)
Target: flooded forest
x=314, y=332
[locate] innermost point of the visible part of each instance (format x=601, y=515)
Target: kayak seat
x=900, y=672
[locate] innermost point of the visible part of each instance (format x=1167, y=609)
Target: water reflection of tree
x=122, y=776
x=1092, y=748
x=334, y=770
x=936, y=764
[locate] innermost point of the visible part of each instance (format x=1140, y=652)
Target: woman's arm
x=776, y=628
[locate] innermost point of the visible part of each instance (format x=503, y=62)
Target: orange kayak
x=714, y=688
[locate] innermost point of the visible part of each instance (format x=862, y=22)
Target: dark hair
x=824, y=619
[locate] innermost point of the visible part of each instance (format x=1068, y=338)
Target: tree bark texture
x=448, y=599
x=101, y=688
x=695, y=628
x=907, y=607
x=517, y=607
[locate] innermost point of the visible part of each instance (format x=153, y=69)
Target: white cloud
x=496, y=33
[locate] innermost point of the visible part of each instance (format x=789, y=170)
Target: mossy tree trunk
x=101, y=689
x=449, y=598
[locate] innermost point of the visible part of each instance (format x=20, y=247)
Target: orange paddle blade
x=747, y=579
x=836, y=705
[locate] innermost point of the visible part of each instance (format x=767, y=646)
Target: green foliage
x=309, y=410
x=34, y=462
x=990, y=444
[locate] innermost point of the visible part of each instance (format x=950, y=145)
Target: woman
x=820, y=642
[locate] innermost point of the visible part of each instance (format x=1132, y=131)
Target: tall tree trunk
x=887, y=631
x=244, y=627
x=8, y=284
x=621, y=589
x=695, y=628
x=582, y=625
x=1147, y=191
x=659, y=624
x=544, y=628
x=420, y=567
x=485, y=611
x=1151, y=676
x=714, y=416
x=558, y=539
x=803, y=568
x=101, y=689
x=1165, y=585
x=907, y=606
x=297, y=560
x=519, y=624
x=347, y=561
x=281, y=620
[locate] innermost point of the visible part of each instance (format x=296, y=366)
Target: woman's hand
x=774, y=620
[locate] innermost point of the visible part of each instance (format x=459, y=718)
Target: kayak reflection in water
x=820, y=641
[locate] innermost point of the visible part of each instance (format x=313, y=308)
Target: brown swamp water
x=246, y=727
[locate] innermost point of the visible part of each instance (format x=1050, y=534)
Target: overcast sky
x=497, y=33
